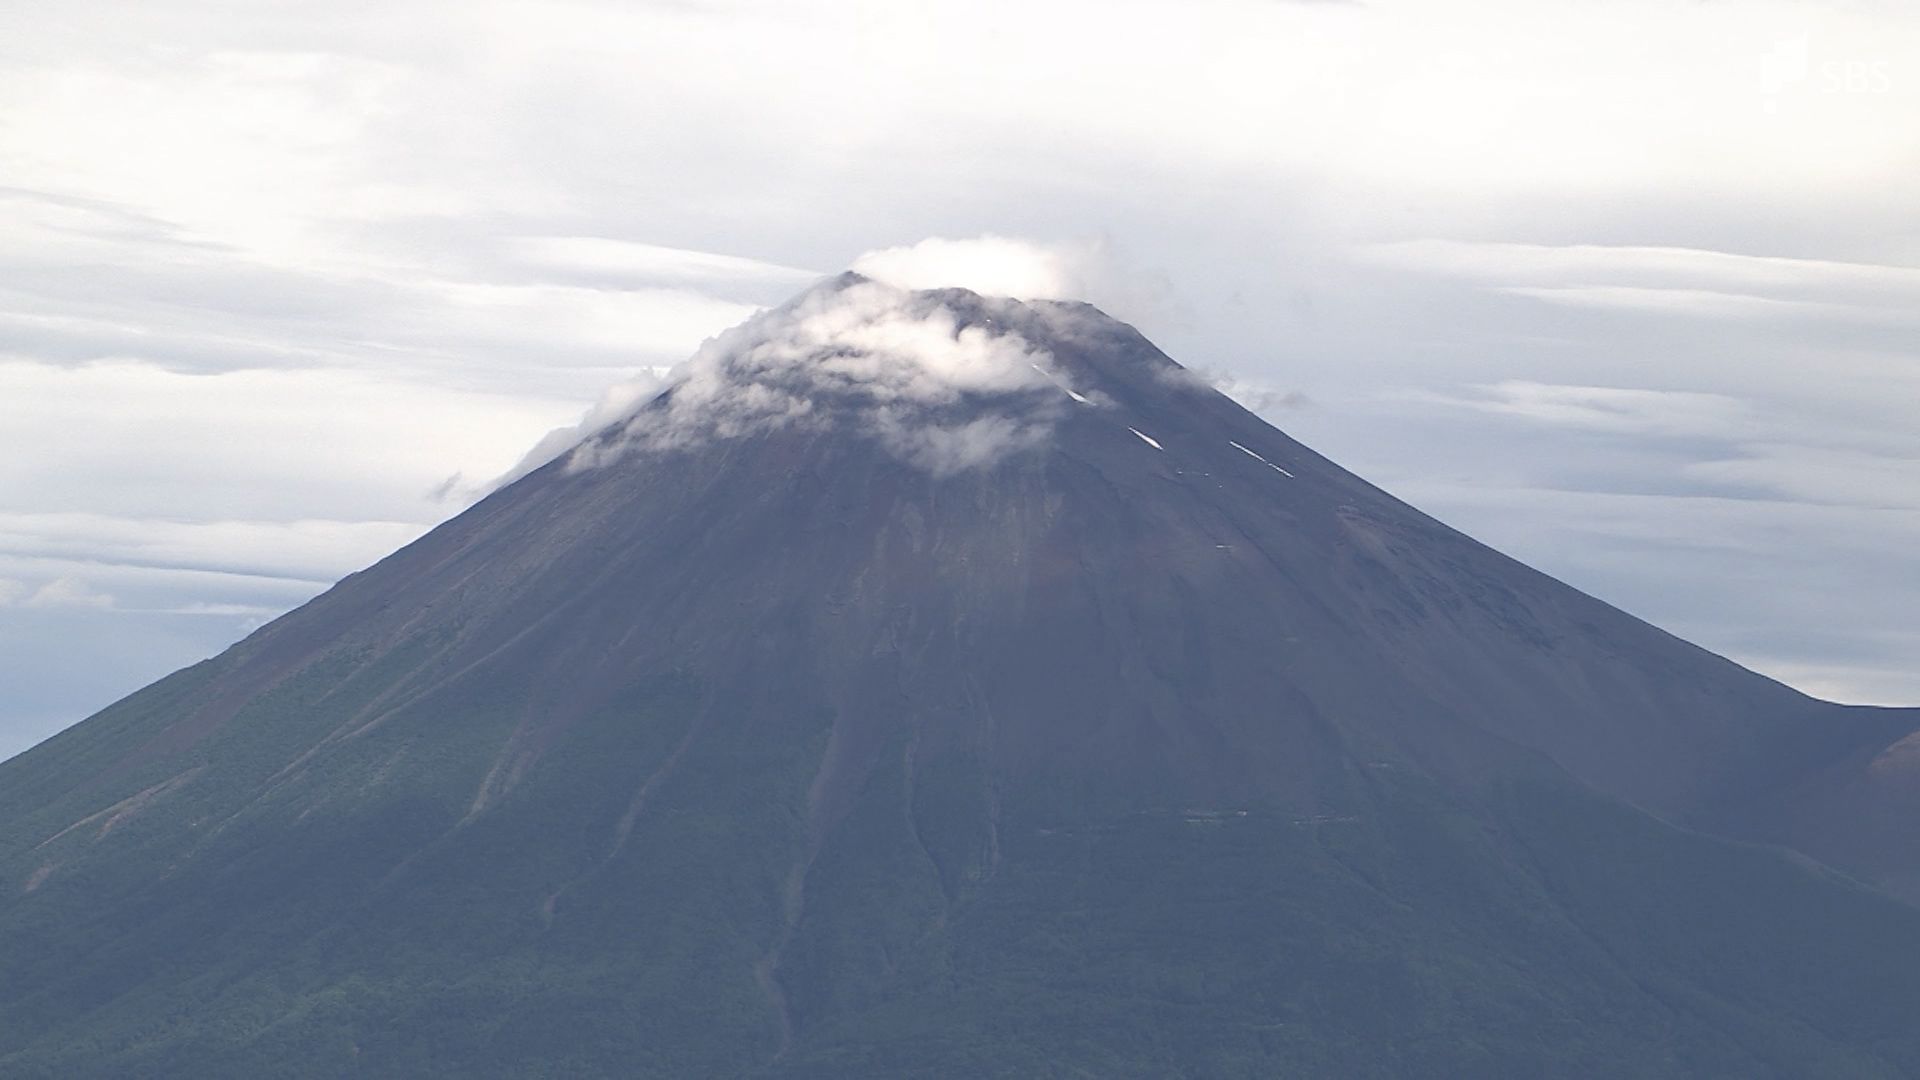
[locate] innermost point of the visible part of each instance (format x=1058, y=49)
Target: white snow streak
x=1146, y=438
x=1068, y=390
x=1258, y=458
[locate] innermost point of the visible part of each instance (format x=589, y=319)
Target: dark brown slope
x=767, y=718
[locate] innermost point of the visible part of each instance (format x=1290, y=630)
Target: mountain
x=927, y=684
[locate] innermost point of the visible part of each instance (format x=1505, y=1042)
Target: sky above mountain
x=1626, y=290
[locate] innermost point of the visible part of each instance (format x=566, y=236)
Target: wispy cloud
x=1707, y=303
x=617, y=403
x=1616, y=410
x=1681, y=281
x=62, y=592
x=1652, y=265
x=307, y=551
x=1816, y=474
x=603, y=258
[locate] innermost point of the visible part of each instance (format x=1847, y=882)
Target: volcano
x=928, y=684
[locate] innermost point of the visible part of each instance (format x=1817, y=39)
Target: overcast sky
x=1630, y=290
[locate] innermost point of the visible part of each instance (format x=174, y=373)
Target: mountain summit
x=924, y=683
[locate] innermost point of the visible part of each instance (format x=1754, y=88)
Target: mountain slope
x=928, y=683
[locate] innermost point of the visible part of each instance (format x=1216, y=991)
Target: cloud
x=135, y=441
x=67, y=592
x=202, y=608
x=72, y=593
x=989, y=265
x=140, y=589
x=895, y=364
x=1256, y=395
x=943, y=449
x=305, y=551
x=1615, y=410
x=1705, y=303
x=617, y=403
x=78, y=284
x=1097, y=271
x=631, y=262
x=1672, y=280
x=1818, y=475
x=1652, y=265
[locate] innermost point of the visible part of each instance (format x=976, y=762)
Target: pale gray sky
x=1630, y=289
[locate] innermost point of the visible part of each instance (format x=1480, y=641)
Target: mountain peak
x=929, y=683
x=947, y=379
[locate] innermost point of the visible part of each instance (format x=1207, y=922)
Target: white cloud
x=142, y=589
x=989, y=265
x=945, y=448
x=651, y=263
x=67, y=592
x=137, y=441
x=212, y=610
x=1673, y=280
x=1096, y=271
x=1617, y=410
x=307, y=551
x=87, y=280
x=1255, y=395
x=860, y=352
x=880, y=341
x=599, y=327
x=1649, y=265
x=617, y=403
x=1705, y=303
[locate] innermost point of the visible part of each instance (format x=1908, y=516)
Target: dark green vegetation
x=780, y=757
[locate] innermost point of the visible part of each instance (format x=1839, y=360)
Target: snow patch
x=1261, y=460
x=1146, y=438
x=1049, y=376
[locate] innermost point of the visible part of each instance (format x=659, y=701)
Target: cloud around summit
x=990, y=265
x=886, y=359
x=873, y=339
